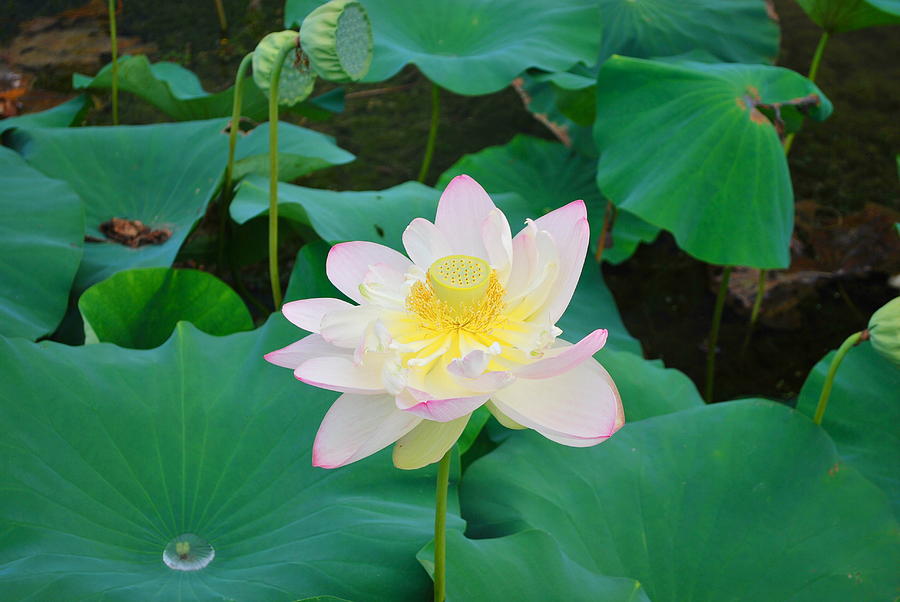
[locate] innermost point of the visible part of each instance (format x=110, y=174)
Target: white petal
x=348, y=327
x=497, y=239
x=305, y=349
x=427, y=443
x=582, y=403
x=357, y=426
x=463, y=207
x=565, y=357
x=308, y=313
x=440, y=410
x=342, y=374
x=569, y=228
x=424, y=243
x=348, y=263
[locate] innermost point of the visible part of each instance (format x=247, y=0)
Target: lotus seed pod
x=297, y=79
x=337, y=38
x=884, y=331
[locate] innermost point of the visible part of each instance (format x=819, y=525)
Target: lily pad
x=548, y=175
x=178, y=93
x=685, y=146
x=742, y=500
x=381, y=216
x=112, y=454
x=862, y=414
x=835, y=16
x=740, y=31
x=524, y=566
x=162, y=175
x=140, y=308
x=475, y=46
x=62, y=115
x=41, y=233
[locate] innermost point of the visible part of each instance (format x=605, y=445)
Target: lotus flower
x=468, y=319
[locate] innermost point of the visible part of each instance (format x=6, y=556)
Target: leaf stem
x=714, y=334
x=432, y=131
x=440, y=534
x=223, y=22
x=274, y=278
x=114, y=49
x=609, y=218
x=754, y=313
x=851, y=341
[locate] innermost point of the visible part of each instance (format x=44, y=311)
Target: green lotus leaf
x=381, y=216
x=300, y=151
x=62, y=115
x=547, y=175
x=111, y=454
x=545, y=99
x=475, y=46
x=41, y=235
x=835, y=16
x=337, y=39
x=862, y=414
x=743, y=500
x=140, y=308
x=740, y=31
x=685, y=147
x=178, y=93
x=162, y=175
x=296, y=80
x=525, y=566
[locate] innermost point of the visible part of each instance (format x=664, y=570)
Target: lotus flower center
x=461, y=292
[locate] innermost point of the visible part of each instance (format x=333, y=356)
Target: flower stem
x=114, y=49
x=852, y=341
x=432, y=131
x=714, y=334
x=233, y=130
x=609, y=218
x=440, y=535
x=754, y=313
x=223, y=22
x=274, y=278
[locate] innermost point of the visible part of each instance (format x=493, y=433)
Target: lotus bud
x=337, y=38
x=884, y=331
x=297, y=79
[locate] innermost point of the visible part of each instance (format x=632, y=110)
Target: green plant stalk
x=223, y=22
x=714, y=334
x=114, y=48
x=432, y=131
x=440, y=533
x=233, y=129
x=788, y=143
x=852, y=341
x=273, y=173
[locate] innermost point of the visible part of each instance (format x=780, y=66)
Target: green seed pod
x=297, y=79
x=337, y=38
x=884, y=331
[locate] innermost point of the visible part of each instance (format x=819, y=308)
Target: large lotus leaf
x=741, y=31
x=162, y=175
x=140, y=308
x=41, y=233
x=381, y=216
x=548, y=175
x=525, y=566
x=684, y=147
x=475, y=46
x=862, y=414
x=62, y=115
x=109, y=453
x=178, y=93
x=845, y=15
x=300, y=151
x=745, y=500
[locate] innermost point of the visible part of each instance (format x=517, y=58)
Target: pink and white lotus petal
x=497, y=239
x=463, y=207
x=582, y=403
x=347, y=327
x=427, y=443
x=349, y=262
x=569, y=228
x=564, y=358
x=342, y=374
x=308, y=313
x=357, y=426
x=305, y=349
x=422, y=404
x=424, y=243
